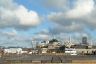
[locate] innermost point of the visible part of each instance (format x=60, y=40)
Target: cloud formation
x=39, y=37
x=81, y=15
x=61, y=4
x=13, y=33
x=43, y=31
x=17, y=16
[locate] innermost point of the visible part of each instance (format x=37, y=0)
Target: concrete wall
x=52, y=54
x=51, y=63
x=85, y=50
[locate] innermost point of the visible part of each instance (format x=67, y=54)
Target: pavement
x=54, y=59
x=1, y=63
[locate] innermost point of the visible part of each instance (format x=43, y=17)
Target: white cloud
x=2, y=39
x=81, y=15
x=43, y=31
x=85, y=35
x=17, y=16
x=80, y=35
x=62, y=37
x=42, y=37
x=59, y=4
x=77, y=36
x=81, y=8
x=13, y=33
x=93, y=41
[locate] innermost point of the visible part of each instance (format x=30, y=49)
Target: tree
x=62, y=48
x=53, y=40
x=44, y=47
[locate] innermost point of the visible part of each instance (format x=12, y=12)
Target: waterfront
x=38, y=59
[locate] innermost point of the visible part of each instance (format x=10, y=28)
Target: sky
x=23, y=21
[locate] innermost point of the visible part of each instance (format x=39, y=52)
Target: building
x=13, y=50
x=70, y=40
x=90, y=43
x=84, y=40
x=44, y=50
x=38, y=44
x=68, y=43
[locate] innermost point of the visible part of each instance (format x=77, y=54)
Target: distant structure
x=70, y=39
x=68, y=43
x=90, y=43
x=84, y=40
x=47, y=41
x=54, y=37
x=37, y=44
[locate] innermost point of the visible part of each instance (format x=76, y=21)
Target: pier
x=53, y=59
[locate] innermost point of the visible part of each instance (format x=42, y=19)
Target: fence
x=4, y=56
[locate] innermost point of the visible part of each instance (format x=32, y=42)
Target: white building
x=15, y=50
x=47, y=41
x=90, y=43
x=38, y=44
x=68, y=43
x=71, y=51
x=44, y=50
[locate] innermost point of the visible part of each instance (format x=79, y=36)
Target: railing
x=1, y=56
x=4, y=56
x=53, y=54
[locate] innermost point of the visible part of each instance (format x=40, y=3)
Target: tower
x=70, y=39
x=54, y=37
x=84, y=40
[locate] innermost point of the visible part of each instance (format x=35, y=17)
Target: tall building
x=84, y=40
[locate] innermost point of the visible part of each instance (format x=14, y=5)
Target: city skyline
x=23, y=21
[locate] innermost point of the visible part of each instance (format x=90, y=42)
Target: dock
x=53, y=59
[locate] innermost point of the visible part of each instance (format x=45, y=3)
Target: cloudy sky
x=23, y=21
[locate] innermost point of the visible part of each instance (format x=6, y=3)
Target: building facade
x=84, y=40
